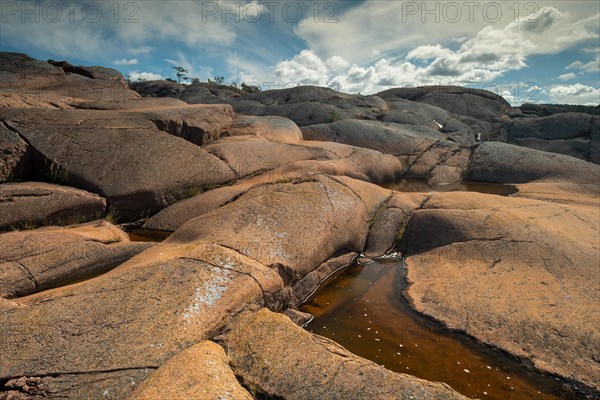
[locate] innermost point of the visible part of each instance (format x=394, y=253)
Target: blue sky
x=544, y=51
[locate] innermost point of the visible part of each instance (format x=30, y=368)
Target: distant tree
x=181, y=74
x=217, y=80
x=250, y=88
x=128, y=78
x=234, y=84
x=195, y=81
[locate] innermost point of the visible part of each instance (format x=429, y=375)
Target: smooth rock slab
x=119, y=155
x=506, y=163
x=201, y=372
x=34, y=204
x=36, y=260
x=278, y=358
x=514, y=273
x=293, y=227
x=173, y=217
x=134, y=317
x=276, y=129
x=14, y=155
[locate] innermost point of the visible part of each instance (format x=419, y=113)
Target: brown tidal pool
x=146, y=235
x=362, y=309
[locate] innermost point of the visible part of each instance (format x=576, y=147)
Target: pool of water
x=361, y=309
x=417, y=185
x=146, y=235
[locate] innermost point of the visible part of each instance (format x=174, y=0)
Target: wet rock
x=135, y=317
x=506, y=163
x=36, y=260
x=201, y=372
x=311, y=282
x=32, y=204
x=519, y=274
x=121, y=156
x=279, y=359
x=476, y=103
x=14, y=155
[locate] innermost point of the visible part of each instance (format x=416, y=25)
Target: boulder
x=517, y=274
x=21, y=74
x=476, y=103
x=201, y=372
x=506, y=163
x=129, y=321
x=158, y=88
x=200, y=124
x=173, y=217
x=121, y=156
x=32, y=204
x=37, y=260
x=276, y=129
x=387, y=138
x=414, y=113
x=310, y=105
x=290, y=160
x=565, y=133
x=425, y=152
x=14, y=156
x=293, y=227
x=279, y=359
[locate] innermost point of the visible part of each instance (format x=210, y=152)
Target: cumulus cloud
x=124, y=61
x=489, y=54
x=567, y=77
x=393, y=28
x=136, y=76
x=575, y=94
x=592, y=66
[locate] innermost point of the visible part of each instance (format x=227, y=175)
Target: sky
x=525, y=51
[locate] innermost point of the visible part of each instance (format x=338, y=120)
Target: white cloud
x=575, y=94
x=141, y=50
x=567, y=77
x=592, y=66
x=393, y=29
x=487, y=55
x=428, y=52
x=136, y=76
x=125, y=61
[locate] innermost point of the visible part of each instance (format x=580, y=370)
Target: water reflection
x=362, y=310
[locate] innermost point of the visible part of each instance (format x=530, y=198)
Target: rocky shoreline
x=266, y=194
